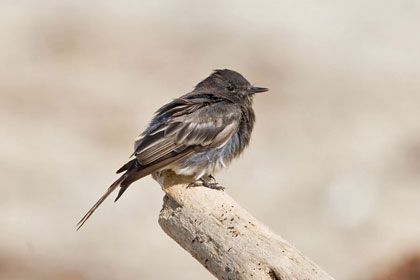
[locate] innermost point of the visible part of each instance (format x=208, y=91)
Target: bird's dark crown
x=226, y=82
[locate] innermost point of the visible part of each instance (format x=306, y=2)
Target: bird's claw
x=212, y=178
x=193, y=185
x=204, y=183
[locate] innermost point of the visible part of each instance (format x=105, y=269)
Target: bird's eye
x=230, y=87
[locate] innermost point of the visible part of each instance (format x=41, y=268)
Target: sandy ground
x=334, y=163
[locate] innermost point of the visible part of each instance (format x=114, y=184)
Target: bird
x=195, y=135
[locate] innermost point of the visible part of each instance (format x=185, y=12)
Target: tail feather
x=123, y=188
x=131, y=178
x=134, y=171
x=99, y=202
x=127, y=166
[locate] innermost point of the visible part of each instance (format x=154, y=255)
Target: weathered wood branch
x=225, y=238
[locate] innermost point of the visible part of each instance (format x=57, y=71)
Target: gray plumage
x=195, y=134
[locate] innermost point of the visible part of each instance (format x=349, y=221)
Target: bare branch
x=225, y=238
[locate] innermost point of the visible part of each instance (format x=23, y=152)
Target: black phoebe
x=195, y=134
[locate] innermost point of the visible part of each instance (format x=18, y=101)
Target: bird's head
x=229, y=84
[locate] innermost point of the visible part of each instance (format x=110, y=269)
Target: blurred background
x=334, y=163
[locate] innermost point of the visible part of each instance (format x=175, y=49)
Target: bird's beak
x=257, y=89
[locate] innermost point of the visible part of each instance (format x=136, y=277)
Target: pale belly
x=210, y=161
x=201, y=164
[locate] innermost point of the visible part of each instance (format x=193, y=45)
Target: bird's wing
x=189, y=132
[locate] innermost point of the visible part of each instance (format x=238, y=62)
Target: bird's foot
x=203, y=183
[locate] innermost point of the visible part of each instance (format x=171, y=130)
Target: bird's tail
x=132, y=168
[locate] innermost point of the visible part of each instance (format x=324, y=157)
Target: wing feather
x=191, y=130
x=154, y=153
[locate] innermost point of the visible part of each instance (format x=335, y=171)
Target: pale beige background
x=334, y=164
